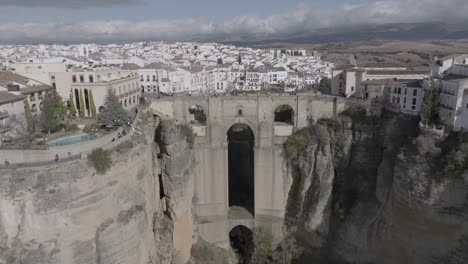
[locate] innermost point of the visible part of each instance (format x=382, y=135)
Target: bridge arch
x=241, y=120
x=241, y=170
x=284, y=113
x=241, y=239
x=197, y=114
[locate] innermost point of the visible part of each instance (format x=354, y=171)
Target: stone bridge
x=217, y=187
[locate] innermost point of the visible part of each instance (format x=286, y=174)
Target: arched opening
x=86, y=98
x=197, y=115
x=34, y=108
x=242, y=242
x=241, y=142
x=77, y=100
x=284, y=114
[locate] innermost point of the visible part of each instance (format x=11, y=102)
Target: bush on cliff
x=187, y=132
x=356, y=113
x=296, y=143
x=101, y=160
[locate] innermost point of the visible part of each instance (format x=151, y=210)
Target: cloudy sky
x=133, y=20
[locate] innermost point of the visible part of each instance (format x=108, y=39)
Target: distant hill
x=402, y=31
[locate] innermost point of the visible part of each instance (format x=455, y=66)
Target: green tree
x=53, y=110
x=82, y=105
x=325, y=86
x=71, y=107
x=113, y=114
x=429, y=106
x=29, y=117
x=92, y=106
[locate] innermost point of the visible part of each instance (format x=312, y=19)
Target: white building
x=441, y=65
x=95, y=85
x=408, y=94
x=151, y=78
x=453, y=97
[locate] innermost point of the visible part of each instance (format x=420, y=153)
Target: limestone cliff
x=69, y=214
x=377, y=190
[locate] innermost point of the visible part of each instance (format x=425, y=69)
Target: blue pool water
x=72, y=140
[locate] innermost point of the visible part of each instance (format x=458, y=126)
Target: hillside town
x=83, y=75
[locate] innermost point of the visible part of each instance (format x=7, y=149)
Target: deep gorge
x=364, y=189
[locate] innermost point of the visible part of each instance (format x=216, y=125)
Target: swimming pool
x=72, y=140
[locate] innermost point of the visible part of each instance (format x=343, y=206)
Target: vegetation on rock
x=205, y=253
x=356, y=113
x=101, y=160
x=296, y=143
x=187, y=132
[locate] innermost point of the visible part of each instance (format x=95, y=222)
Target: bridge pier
x=271, y=177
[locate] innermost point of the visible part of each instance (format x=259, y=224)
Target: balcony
x=283, y=129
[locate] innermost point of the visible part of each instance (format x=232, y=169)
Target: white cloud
x=68, y=3
x=300, y=19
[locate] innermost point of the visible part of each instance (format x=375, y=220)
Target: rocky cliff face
x=377, y=190
x=69, y=214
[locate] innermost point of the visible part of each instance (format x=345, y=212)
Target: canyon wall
x=67, y=213
x=376, y=189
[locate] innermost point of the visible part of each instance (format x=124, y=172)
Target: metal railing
x=6, y=165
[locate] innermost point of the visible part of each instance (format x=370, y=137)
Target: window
x=404, y=100
x=91, y=79
x=81, y=78
x=147, y=78
x=399, y=90
x=142, y=78
x=414, y=101
x=352, y=88
x=74, y=78
x=406, y=91
x=415, y=92
x=154, y=78
x=398, y=100
x=413, y=107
